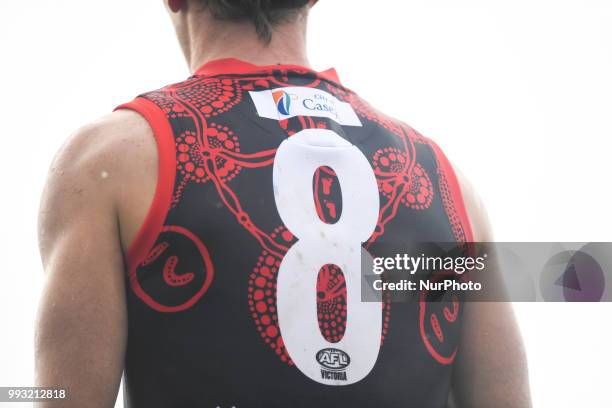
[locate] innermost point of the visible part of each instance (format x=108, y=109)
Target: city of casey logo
x=282, y=101
x=318, y=102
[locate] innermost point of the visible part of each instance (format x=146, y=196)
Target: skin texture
x=491, y=365
x=100, y=186
x=99, y=189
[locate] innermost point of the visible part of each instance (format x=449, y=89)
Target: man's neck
x=215, y=40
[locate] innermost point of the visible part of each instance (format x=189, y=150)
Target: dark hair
x=264, y=14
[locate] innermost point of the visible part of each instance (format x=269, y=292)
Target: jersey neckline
x=236, y=66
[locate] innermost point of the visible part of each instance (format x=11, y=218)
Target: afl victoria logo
x=333, y=359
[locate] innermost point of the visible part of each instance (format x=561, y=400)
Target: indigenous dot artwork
x=208, y=152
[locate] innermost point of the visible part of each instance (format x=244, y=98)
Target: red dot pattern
x=390, y=163
x=212, y=96
x=331, y=300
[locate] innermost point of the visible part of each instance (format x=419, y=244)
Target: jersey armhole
x=455, y=190
x=166, y=172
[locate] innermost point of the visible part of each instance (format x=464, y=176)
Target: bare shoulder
x=101, y=148
x=97, y=172
x=475, y=208
x=82, y=322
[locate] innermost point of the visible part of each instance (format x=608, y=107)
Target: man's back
x=235, y=144
x=210, y=243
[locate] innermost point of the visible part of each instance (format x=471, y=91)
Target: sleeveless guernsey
x=243, y=283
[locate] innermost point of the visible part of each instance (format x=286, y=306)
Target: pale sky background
x=518, y=93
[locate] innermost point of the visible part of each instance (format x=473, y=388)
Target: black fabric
x=214, y=353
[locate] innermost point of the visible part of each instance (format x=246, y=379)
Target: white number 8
x=319, y=244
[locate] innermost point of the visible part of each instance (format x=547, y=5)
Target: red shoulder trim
x=227, y=66
x=166, y=173
x=455, y=189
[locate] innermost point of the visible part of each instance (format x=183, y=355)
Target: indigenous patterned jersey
x=244, y=281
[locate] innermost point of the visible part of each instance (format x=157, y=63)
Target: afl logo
x=333, y=359
x=282, y=101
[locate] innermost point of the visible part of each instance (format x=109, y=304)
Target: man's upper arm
x=491, y=366
x=82, y=322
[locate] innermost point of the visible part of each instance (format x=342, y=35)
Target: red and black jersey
x=240, y=291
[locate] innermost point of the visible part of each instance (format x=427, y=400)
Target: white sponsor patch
x=285, y=103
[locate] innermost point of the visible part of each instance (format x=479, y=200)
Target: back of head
x=264, y=14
